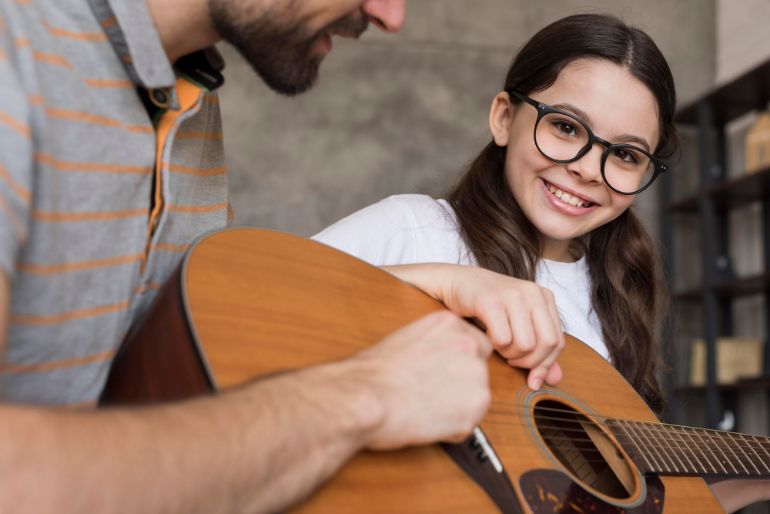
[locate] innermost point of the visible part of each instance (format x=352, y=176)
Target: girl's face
x=617, y=107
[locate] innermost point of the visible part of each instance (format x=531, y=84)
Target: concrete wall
x=741, y=36
x=405, y=113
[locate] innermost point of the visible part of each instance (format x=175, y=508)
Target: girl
x=584, y=123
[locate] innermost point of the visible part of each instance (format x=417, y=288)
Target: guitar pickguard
x=471, y=458
x=548, y=491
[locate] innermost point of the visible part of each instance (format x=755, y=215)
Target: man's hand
x=519, y=316
x=431, y=380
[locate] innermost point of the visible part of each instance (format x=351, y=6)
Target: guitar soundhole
x=584, y=449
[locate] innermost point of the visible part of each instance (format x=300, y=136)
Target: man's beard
x=282, y=54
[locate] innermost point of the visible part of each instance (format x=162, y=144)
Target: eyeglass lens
x=561, y=138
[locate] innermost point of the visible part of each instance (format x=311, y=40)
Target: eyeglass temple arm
x=524, y=98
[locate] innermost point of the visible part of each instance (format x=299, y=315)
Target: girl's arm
x=519, y=316
x=736, y=494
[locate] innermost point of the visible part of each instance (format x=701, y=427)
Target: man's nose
x=388, y=15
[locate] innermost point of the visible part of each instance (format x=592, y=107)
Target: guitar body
x=248, y=303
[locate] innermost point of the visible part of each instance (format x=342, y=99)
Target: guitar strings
x=665, y=468
x=677, y=444
x=656, y=429
x=690, y=445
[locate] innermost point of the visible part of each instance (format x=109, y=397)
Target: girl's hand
x=519, y=316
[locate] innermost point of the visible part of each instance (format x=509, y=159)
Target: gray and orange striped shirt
x=111, y=163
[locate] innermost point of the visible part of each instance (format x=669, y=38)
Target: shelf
x=749, y=92
x=712, y=202
x=688, y=204
x=743, y=286
x=735, y=192
x=761, y=382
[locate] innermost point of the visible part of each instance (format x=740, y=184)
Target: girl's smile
x=566, y=200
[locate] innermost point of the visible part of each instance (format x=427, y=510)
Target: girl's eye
x=626, y=155
x=566, y=128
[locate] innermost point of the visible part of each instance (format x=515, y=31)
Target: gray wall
x=741, y=36
x=405, y=113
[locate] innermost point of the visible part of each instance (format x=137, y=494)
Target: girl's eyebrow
x=585, y=118
x=582, y=115
x=635, y=139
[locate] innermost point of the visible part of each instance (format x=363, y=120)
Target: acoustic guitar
x=250, y=302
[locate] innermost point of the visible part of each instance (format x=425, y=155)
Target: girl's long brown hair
x=628, y=294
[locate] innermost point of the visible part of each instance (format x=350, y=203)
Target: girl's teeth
x=566, y=197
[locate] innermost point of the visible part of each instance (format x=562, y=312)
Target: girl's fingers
x=554, y=374
x=523, y=339
x=497, y=325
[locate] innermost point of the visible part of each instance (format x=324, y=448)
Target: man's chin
x=291, y=82
x=291, y=89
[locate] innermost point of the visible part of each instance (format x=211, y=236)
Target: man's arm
x=259, y=448
x=251, y=450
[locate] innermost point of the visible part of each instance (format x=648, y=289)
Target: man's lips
x=351, y=26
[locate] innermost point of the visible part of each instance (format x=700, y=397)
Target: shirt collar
x=131, y=31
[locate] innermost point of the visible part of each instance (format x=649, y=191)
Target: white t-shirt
x=409, y=229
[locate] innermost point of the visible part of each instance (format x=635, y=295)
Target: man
x=111, y=165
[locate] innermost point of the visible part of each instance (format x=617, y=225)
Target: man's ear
x=500, y=118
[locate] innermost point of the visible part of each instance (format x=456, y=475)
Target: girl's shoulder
x=418, y=210
x=399, y=229
x=399, y=212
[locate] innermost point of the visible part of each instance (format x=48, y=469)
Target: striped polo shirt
x=111, y=164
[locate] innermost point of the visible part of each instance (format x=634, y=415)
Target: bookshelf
x=708, y=208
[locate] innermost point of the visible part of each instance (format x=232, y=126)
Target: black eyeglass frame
x=543, y=109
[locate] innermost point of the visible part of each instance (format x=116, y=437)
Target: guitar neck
x=678, y=450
